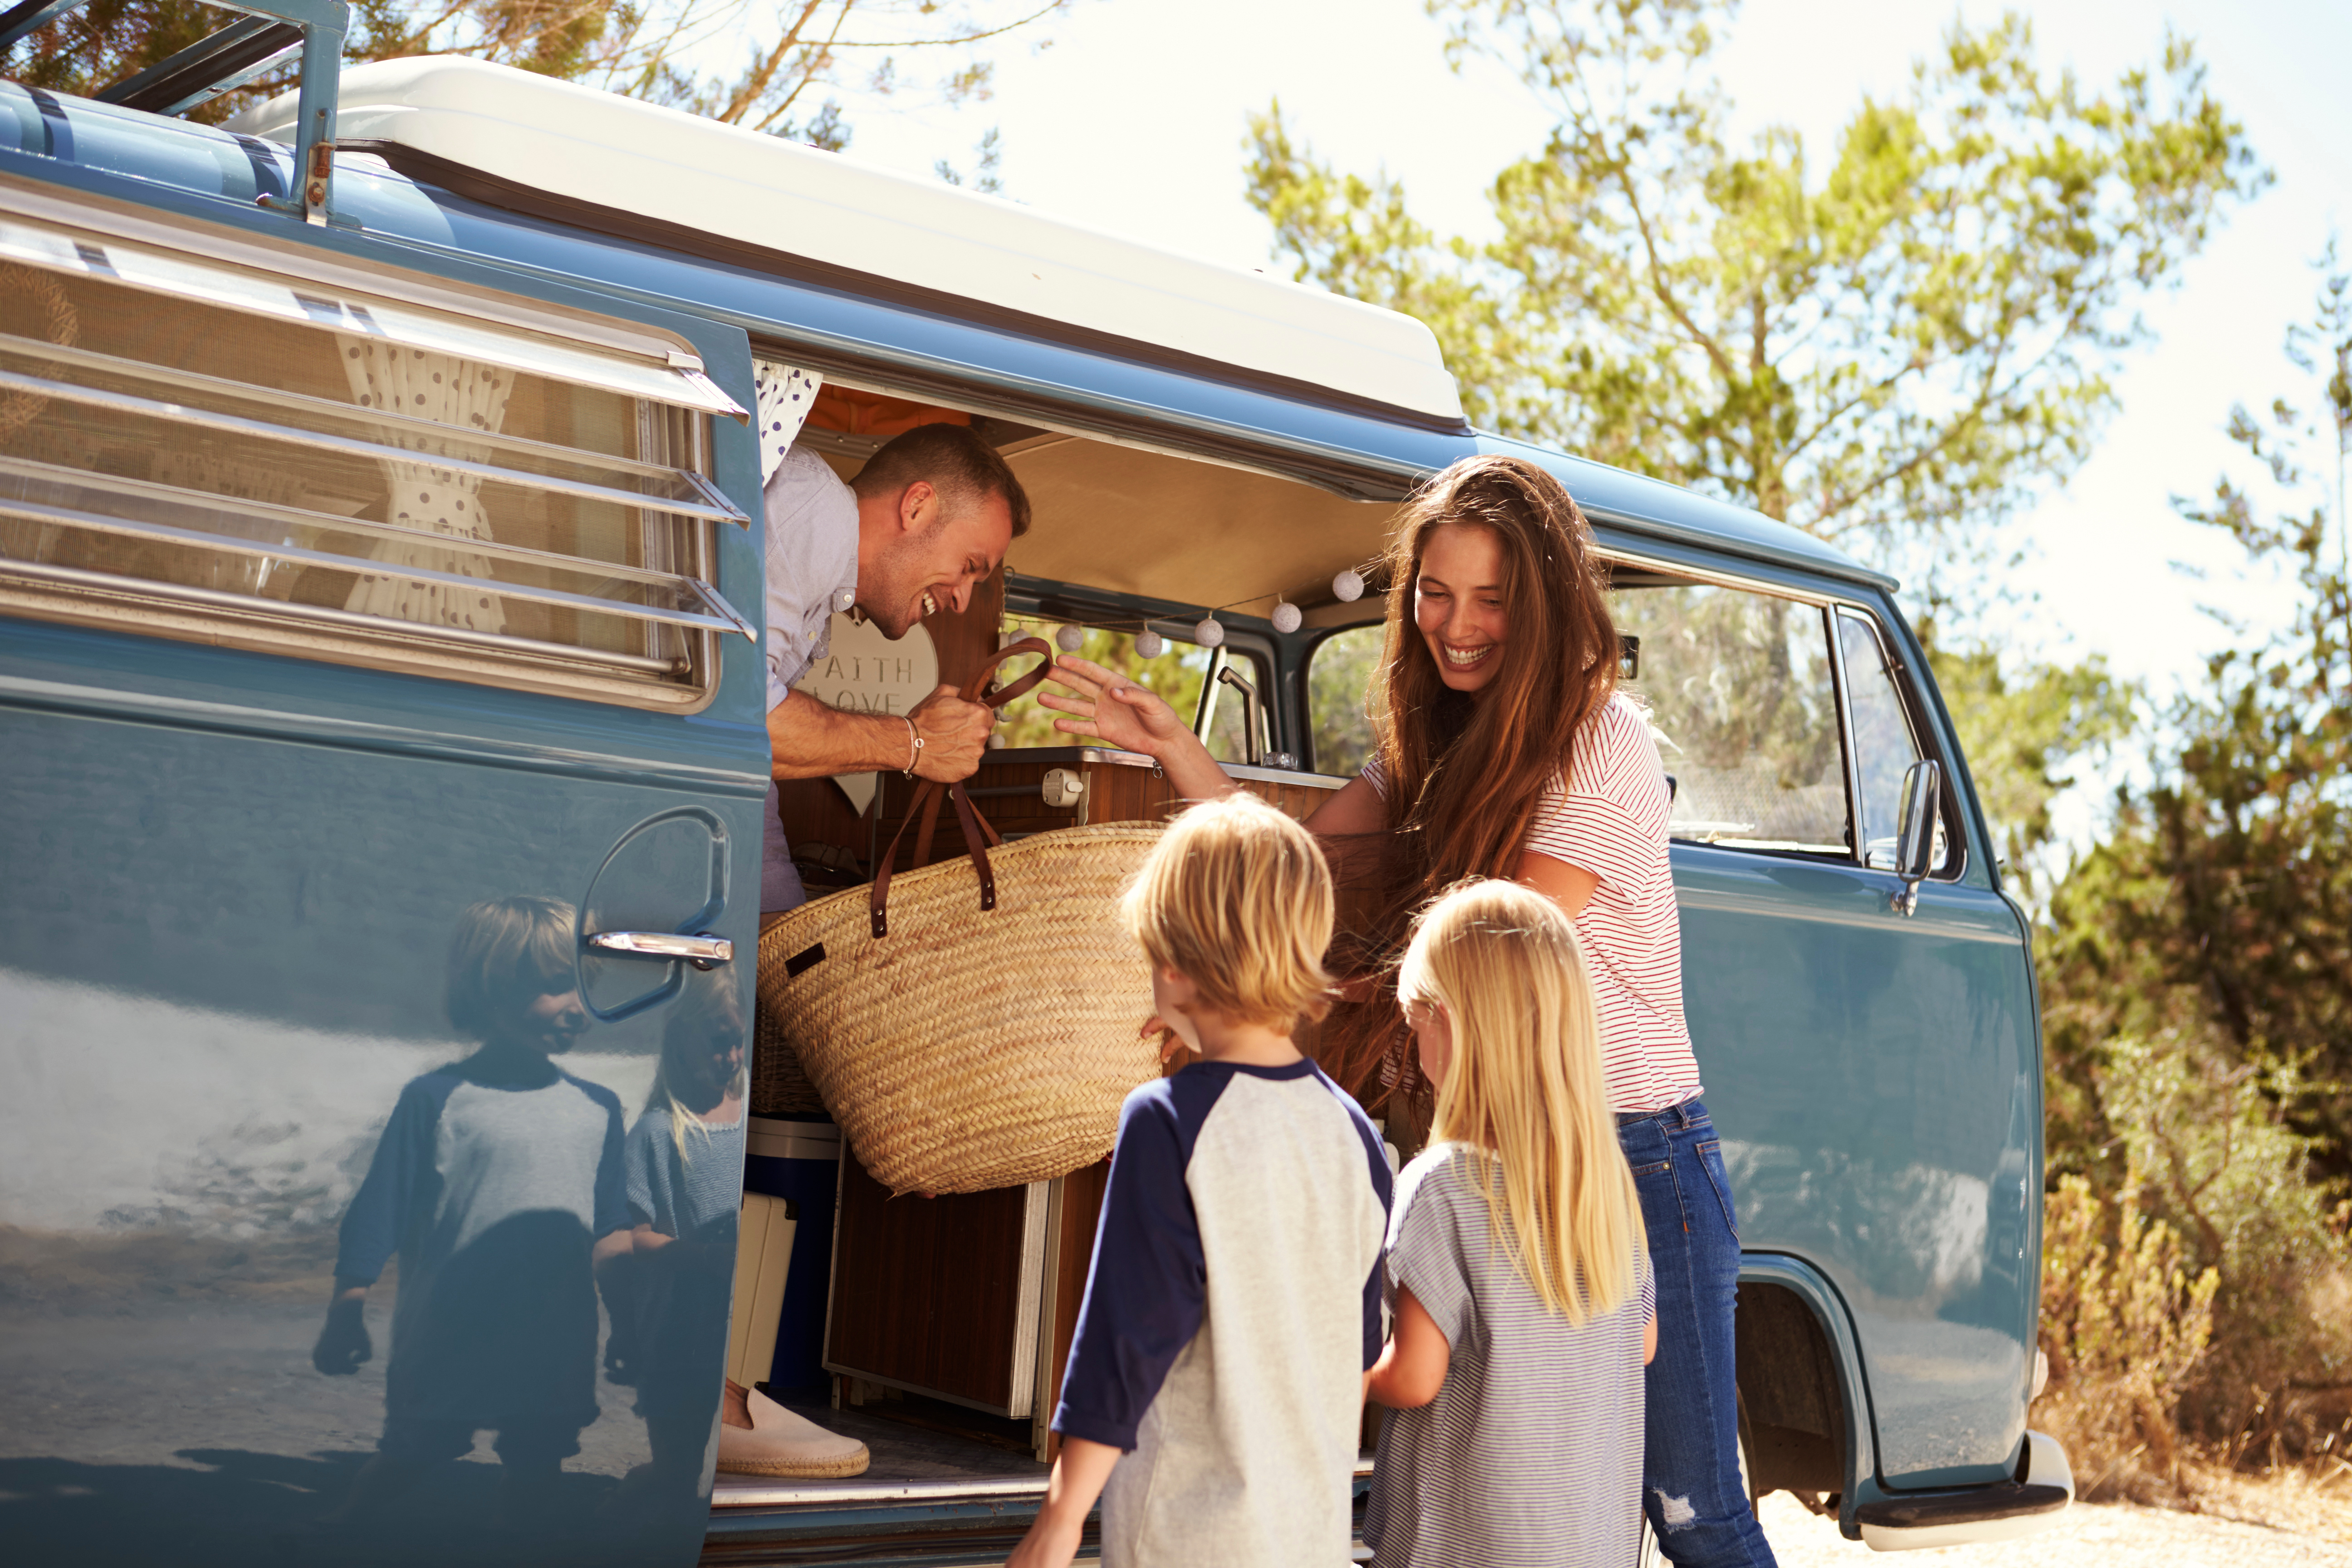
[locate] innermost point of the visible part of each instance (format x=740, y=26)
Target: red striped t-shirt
x=1607, y=816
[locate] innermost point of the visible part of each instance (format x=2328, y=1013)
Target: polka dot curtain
x=448, y=391
x=786, y=394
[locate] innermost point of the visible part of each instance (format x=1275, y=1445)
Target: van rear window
x=184, y=451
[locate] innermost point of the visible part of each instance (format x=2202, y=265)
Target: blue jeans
x=1691, y=1488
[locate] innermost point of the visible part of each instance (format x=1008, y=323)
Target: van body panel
x=237, y=873
x=236, y=876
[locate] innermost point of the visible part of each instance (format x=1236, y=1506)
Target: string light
x=1069, y=640
x=1287, y=617
x=1348, y=586
x=1150, y=644
x=1210, y=633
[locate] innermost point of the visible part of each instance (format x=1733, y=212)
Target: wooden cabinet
x=972, y=1298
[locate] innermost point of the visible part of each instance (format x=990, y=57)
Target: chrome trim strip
x=253, y=391
x=372, y=451
x=224, y=274
x=745, y=1491
x=65, y=518
x=302, y=517
x=213, y=598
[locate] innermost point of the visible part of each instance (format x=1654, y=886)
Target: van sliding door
x=361, y=663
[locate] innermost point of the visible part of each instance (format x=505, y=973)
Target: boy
x=496, y=1180
x=1234, y=1300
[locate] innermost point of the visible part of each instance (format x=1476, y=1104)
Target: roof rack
x=266, y=32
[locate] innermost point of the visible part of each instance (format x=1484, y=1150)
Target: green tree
x=771, y=65
x=2026, y=725
x=2222, y=901
x=1902, y=341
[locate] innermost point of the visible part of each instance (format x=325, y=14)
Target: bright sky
x=1134, y=120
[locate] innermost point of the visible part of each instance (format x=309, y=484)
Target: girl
x=683, y=1167
x=684, y=1163
x=1507, y=752
x=1517, y=1270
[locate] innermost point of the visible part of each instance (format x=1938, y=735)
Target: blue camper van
x=381, y=545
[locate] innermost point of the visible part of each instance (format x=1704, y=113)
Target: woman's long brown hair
x=1465, y=777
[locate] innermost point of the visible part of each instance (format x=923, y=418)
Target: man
x=927, y=519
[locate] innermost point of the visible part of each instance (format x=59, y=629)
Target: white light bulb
x=1349, y=587
x=1069, y=640
x=1150, y=644
x=1010, y=636
x=1285, y=616
x=1209, y=633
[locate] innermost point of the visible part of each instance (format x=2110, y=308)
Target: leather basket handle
x=978, y=834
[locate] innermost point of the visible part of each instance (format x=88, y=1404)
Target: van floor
x=902, y=1454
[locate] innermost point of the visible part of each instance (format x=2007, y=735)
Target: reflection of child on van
x=1233, y=1302
x=684, y=1161
x=683, y=1166
x=494, y=1181
x=1515, y=1261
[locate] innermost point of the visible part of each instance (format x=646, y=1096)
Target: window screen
x=219, y=440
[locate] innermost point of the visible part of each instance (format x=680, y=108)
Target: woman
x=1508, y=751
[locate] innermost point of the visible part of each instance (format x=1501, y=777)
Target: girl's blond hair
x=1236, y=898
x=1526, y=1085
x=711, y=1011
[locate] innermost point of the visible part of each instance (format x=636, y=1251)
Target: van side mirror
x=1914, y=829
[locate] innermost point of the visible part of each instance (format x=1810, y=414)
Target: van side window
x=1744, y=709
x=194, y=448
x=1340, y=699
x=1884, y=743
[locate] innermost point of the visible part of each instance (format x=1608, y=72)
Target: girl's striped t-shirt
x=1530, y=1456
x=1607, y=814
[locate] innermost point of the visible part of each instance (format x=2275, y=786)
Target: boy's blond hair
x=507, y=953
x=1527, y=1085
x=1237, y=900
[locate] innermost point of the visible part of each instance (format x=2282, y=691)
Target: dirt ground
x=2113, y=1535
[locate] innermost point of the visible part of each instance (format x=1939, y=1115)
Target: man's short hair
x=953, y=460
x=1237, y=898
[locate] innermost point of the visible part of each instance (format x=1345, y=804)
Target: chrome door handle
x=705, y=951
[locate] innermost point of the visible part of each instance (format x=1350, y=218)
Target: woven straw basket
x=971, y=1024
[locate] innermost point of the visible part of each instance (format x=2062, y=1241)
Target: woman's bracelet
x=914, y=746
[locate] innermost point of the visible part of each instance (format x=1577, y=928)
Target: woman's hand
x=1120, y=712
x=1112, y=708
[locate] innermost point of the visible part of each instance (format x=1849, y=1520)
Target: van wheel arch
x=1800, y=1434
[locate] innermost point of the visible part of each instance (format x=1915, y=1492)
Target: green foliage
x=2196, y=1021
x=1341, y=701
x=787, y=53
x=2024, y=727
x=2222, y=896
x=1901, y=344
x=2125, y=1326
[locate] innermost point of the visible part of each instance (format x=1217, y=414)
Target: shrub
x=2124, y=1327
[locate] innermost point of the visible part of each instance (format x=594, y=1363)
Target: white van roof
x=679, y=170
